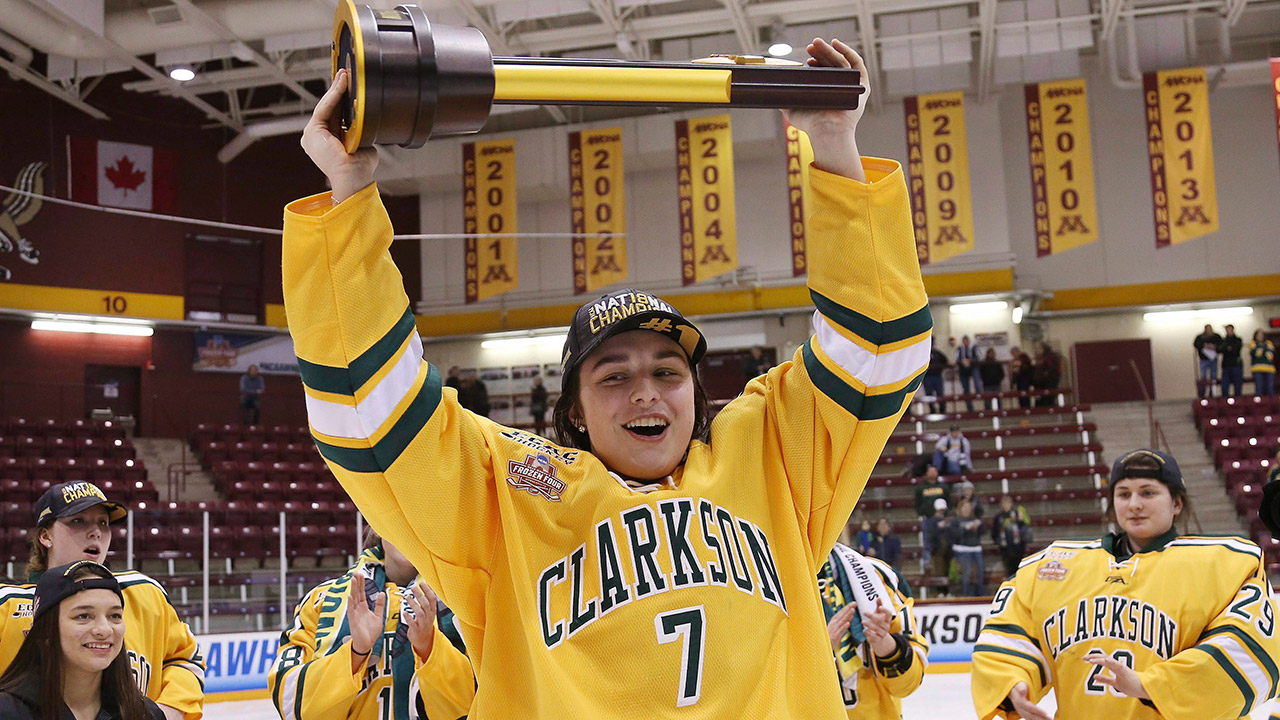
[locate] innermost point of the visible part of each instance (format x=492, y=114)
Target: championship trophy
x=412, y=81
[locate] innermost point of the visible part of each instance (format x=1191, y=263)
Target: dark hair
x=1147, y=462
x=371, y=537
x=570, y=436
x=41, y=657
x=38, y=556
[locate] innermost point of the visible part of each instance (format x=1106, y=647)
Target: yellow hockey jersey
x=577, y=595
x=163, y=654
x=312, y=679
x=1193, y=615
x=874, y=691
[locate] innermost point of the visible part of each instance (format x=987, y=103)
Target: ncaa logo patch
x=1052, y=570
x=536, y=476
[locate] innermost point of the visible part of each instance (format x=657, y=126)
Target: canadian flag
x=122, y=174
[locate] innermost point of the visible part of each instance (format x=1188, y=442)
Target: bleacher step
x=159, y=454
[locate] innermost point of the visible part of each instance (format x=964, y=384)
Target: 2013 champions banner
x=1062, y=193
x=799, y=157
x=489, y=208
x=704, y=178
x=1180, y=148
x=598, y=208
x=938, y=169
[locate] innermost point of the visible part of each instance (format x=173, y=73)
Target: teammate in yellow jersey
x=653, y=564
x=880, y=654
x=1142, y=624
x=374, y=659
x=73, y=522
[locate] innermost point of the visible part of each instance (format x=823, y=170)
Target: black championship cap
x=1167, y=473
x=624, y=310
x=56, y=585
x=67, y=499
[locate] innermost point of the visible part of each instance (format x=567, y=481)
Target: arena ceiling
x=260, y=64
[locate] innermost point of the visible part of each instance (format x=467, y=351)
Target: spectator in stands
x=965, y=533
x=454, y=379
x=933, y=386
x=964, y=490
x=1011, y=532
x=363, y=670
x=1207, y=344
x=1232, y=367
x=888, y=545
x=252, y=385
x=72, y=664
x=935, y=547
x=1262, y=364
x=474, y=396
x=927, y=494
x=1047, y=374
x=757, y=364
x=538, y=405
x=865, y=542
x=967, y=358
x=73, y=522
x=992, y=372
x=879, y=652
x=1021, y=374
x=953, y=455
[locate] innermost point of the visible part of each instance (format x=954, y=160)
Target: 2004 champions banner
x=938, y=170
x=598, y=208
x=704, y=179
x=489, y=208
x=1062, y=193
x=1180, y=147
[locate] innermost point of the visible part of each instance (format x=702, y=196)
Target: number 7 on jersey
x=688, y=625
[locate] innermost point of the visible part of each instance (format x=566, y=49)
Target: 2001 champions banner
x=1180, y=146
x=489, y=207
x=938, y=166
x=598, y=208
x=704, y=178
x=1062, y=193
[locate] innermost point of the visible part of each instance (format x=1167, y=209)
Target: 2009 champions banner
x=938, y=166
x=598, y=208
x=704, y=178
x=489, y=207
x=1180, y=148
x=1062, y=192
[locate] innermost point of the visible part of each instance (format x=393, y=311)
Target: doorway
x=1105, y=370
x=114, y=387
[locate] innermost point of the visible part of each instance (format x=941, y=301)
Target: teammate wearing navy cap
x=73, y=523
x=1142, y=624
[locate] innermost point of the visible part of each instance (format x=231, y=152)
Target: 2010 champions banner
x=598, y=208
x=489, y=209
x=1062, y=191
x=704, y=179
x=799, y=157
x=938, y=169
x=1180, y=148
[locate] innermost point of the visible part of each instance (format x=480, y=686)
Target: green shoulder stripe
x=1247, y=640
x=346, y=380
x=385, y=452
x=862, y=407
x=873, y=331
x=1014, y=653
x=1012, y=629
x=1242, y=683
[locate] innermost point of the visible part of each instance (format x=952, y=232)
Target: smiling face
x=1144, y=508
x=91, y=629
x=636, y=401
x=83, y=536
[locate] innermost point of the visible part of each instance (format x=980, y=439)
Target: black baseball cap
x=67, y=499
x=1167, y=472
x=57, y=584
x=623, y=310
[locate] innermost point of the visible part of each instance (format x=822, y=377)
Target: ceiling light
x=182, y=73
x=1218, y=313
x=979, y=308
x=1017, y=315
x=95, y=328
x=775, y=37
x=513, y=343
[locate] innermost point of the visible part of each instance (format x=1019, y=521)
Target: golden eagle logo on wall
x=18, y=210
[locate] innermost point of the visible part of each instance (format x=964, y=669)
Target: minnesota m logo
x=714, y=253
x=1071, y=223
x=950, y=233
x=1190, y=214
